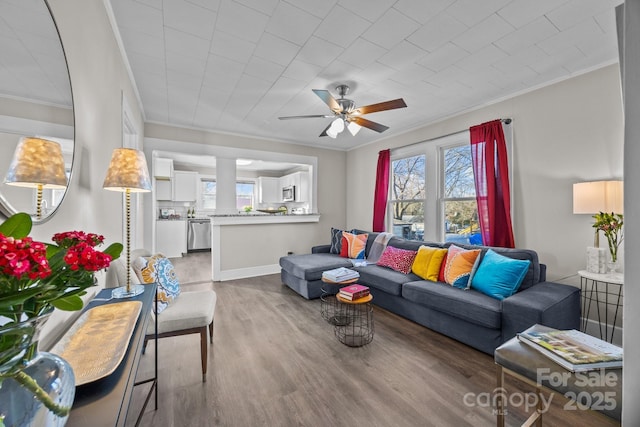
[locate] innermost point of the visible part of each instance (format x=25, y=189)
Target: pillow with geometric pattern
x=397, y=259
x=158, y=268
x=336, y=241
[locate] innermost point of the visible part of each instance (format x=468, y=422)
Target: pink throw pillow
x=397, y=259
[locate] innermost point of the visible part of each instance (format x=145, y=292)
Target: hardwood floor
x=275, y=362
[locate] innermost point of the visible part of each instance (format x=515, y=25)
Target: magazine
x=573, y=350
x=340, y=274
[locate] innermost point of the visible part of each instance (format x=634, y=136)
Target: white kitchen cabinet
x=164, y=189
x=303, y=191
x=269, y=190
x=171, y=238
x=300, y=180
x=185, y=186
x=163, y=168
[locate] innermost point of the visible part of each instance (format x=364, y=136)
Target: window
x=245, y=194
x=432, y=193
x=208, y=191
x=407, y=199
x=459, y=196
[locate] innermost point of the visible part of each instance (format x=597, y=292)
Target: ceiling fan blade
x=382, y=106
x=328, y=99
x=324, y=132
x=313, y=116
x=369, y=124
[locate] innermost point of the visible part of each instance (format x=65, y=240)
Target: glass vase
x=36, y=388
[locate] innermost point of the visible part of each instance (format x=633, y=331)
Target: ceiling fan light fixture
x=338, y=125
x=331, y=133
x=354, y=128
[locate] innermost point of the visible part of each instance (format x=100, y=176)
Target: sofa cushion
x=397, y=259
x=311, y=266
x=384, y=279
x=459, y=265
x=353, y=245
x=336, y=241
x=468, y=304
x=499, y=276
x=533, y=273
x=428, y=261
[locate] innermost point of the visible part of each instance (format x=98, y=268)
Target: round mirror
x=35, y=104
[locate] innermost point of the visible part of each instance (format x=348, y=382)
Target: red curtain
x=491, y=172
x=381, y=191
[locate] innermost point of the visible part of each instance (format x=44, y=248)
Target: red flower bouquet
x=34, y=278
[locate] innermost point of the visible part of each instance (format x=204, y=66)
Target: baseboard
x=243, y=273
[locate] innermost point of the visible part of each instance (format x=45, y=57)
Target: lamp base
x=122, y=292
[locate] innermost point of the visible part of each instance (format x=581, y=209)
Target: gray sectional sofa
x=467, y=315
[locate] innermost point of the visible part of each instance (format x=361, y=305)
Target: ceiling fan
x=347, y=114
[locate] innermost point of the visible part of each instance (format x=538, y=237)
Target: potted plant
x=611, y=225
x=35, y=278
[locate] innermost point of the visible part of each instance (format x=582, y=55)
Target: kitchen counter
x=259, y=218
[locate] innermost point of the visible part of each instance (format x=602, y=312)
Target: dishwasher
x=199, y=235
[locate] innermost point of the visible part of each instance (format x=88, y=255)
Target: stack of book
x=341, y=274
x=353, y=292
x=573, y=350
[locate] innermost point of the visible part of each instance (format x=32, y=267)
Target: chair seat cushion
x=189, y=310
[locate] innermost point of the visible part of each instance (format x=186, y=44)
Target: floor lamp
x=128, y=173
x=37, y=163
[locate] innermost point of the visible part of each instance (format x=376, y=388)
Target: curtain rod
x=506, y=121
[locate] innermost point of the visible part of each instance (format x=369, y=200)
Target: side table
x=599, y=390
x=357, y=328
x=601, y=289
x=328, y=302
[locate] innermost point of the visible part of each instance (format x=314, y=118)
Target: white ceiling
x=32, y=63
x=236, y=65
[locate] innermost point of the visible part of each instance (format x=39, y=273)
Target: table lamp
x=592, y=198
x=37, y=163
x=128, y=173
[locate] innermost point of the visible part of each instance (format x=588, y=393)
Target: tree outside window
x=408, y=197
x=459, y=196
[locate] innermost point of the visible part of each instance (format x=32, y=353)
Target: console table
x=105, y=402
x=601, y=288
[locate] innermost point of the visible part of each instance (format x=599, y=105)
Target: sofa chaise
x=466, y=315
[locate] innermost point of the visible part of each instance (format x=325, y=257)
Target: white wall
x=565, y=133
x=631, y=314
x=98, y=80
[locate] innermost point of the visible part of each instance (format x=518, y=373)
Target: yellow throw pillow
x=427, y=262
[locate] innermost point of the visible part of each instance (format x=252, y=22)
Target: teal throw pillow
x=499, y=276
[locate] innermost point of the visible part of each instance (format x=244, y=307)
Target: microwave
x=289, y=193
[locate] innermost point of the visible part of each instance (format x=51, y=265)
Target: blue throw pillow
x=499, y=276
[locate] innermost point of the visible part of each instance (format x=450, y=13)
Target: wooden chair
x=189, y=313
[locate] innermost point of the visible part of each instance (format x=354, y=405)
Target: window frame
x=433, y=149
x=390, y=200
x=442, y=199
x=434, y=186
